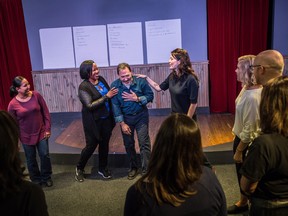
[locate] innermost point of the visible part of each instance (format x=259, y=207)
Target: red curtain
x=235, y=28
x=14, y=51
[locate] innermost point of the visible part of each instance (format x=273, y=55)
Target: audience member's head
x=243, y=71
x=10, y=166
x=273, y=107
x=176, y=160
x=268, y=65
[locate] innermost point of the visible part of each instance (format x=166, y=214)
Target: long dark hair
x=16, y=83
x=185, y=65
x=11, y=173
x=273, y=107
x=175, y=162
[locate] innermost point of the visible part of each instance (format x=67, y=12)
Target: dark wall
x=67, y=13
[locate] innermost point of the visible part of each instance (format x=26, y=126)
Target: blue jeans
x=45, y=171
x=140, y=123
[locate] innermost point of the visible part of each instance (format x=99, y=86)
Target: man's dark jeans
x=140, y=123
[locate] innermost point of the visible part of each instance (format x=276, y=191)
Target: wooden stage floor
x=68, y=137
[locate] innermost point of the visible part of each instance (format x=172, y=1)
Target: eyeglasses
x=254, y=66
x=276, y=67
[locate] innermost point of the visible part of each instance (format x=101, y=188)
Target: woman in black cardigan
x=98, y=122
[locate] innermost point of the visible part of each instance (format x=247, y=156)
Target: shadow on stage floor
x=67, y=139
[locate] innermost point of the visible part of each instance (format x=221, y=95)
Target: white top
x=247, y=118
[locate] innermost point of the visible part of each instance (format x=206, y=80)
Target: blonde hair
x=245, y=62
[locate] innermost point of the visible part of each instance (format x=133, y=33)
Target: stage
x=67, y=138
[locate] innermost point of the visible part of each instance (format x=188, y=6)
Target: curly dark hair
x=185, y=65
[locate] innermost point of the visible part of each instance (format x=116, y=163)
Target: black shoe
x=105, y=173
x=234, y=209
x=132, y=173
x=48, y=183
x=79, y=175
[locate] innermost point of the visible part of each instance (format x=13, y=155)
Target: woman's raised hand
x=112, y=92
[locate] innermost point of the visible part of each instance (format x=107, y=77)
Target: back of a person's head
x=176, y=159
x=272, y=58
x=273, y=106
x=273, y=62
x=179, y=139
x=10, y=170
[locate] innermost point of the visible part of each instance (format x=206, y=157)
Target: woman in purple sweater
x=31, y=112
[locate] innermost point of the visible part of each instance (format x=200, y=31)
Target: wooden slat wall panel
x=201, y=69
x=59, y=87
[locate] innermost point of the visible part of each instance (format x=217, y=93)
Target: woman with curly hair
x=182, y=82
x=183, y=85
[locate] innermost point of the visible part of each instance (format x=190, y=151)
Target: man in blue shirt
x=130, y=110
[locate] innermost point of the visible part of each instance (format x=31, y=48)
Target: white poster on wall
x=125, y=43
x=162, y=36
x=90, y=43
x=57, y=48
